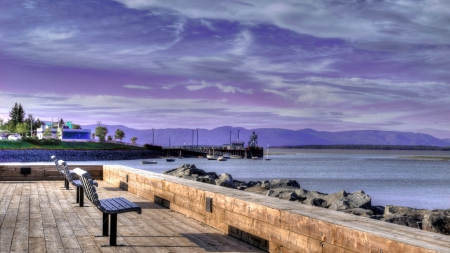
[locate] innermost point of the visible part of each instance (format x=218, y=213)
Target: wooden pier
x=188, y=152
x=40, y=216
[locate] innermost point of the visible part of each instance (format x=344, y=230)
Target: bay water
x=388, y=177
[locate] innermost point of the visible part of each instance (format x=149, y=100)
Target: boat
x=179, y=156
x=148, y=162
x=267, y=154
x=235, y=157
x=221, y=159
x=169, y=158
x=212, y=157
x=256, y=157
x=226, y=155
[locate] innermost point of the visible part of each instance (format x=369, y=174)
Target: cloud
x=137, y=87
x=221, y=87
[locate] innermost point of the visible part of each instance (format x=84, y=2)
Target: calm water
x=386, y=176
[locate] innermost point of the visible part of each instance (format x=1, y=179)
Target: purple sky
x=322, y=64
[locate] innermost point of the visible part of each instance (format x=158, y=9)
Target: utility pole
x=197, y=137
x=31, y=125
x=153, y=142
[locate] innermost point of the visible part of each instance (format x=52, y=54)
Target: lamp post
x=31, y=125
x=153, y=142
x=197, y=137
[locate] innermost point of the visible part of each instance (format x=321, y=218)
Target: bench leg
x=113, y=230
x=66, y=183
x=78, y=195
x=81, y=195
x=105, y=224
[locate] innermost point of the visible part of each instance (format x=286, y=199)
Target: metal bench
x=77, y=183
x=66, y=183
x=109, y=207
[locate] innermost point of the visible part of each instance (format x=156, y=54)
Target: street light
x=31, y=124
x=153, y=142
x=197, y=137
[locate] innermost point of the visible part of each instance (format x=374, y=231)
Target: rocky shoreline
x=42, y=155
x=357, y=203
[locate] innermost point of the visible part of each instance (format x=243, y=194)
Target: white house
x=68, y=133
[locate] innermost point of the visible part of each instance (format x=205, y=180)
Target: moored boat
x=148, y=162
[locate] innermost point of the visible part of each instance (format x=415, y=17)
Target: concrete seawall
x=273, y=224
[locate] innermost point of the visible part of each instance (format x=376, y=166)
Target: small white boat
x=267, y=154
x=148, y=162
x=221, y=159
x=235, y=157
x=256, y=157
x=226, y=155
x=212, y=157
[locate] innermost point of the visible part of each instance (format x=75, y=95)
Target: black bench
x=109, y=207
x=77, y=183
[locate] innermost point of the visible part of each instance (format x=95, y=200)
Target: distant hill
x=274, y=136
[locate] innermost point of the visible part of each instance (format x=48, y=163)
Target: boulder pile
x=357, y=203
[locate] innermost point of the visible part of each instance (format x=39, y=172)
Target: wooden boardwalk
x=40, y=216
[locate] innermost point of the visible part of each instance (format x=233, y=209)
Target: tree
x=93, y=136
x=119, y=134
x=133, y=140
x=47, y=132
x=22, y=128
x=109, y=138
x=101, y=133
x=76, y=126
x=16, y=115
x=1, y=124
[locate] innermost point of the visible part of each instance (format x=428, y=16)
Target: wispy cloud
x=221, y=87
x=137, y=87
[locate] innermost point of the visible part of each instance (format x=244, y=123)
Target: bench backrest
x=88, y=185
x=62, y=165
x=57, y=165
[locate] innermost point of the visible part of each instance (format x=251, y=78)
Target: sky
x=322, y=64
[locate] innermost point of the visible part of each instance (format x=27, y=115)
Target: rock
x=378, y=210
x=359, y=199
x=437, y=221
x=360, y=212
x=187, y=170
x=265, y=184
x=403, y=220
x=287, y=194
x=339, y=205
x=225, y=180
x=305, y=194
x=283, y=183
x=417, y=214
x=330, y=198
x=315, y=202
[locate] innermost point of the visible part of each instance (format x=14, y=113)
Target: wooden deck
x=40, y=216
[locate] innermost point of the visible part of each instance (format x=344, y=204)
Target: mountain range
x=271, y=136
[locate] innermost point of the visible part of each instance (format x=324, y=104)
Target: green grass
x=5, y=144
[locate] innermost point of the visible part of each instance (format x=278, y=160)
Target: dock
x=40, y=216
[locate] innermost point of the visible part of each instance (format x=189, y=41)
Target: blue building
x=68, y=133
